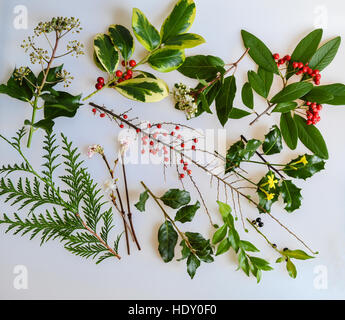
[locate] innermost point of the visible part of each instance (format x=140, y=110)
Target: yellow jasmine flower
x=269, y=196
x=271, y=181
x=304, y=160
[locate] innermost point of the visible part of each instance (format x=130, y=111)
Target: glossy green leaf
x=175, y=198
x=292, y=92
x=193, y=263
x=243, y=262
x=225, y=99
x=97, y=62
x=202, y=67
x=201, y=246
x=285, y=107
x=261, y=264
x=185, y=41
x=289, y=130
x=143, y=89
x=336, y=90
x=319, y=95
x=273, y=141
x=325, y=55
x=144, y=31
x=166, y=59
x=247, y=96
x=297, y=254
x=234, y=239
x=225, y=211
x=122, y=40
x=52, y=78
x=220, y=234
x=311, y=137
x=140, y=205
x=257, y=83
x=167, y=238
x=258, y=51
x=106, y=52
x=291, y=195
x=267, y=79
x=223, y=247
x=304, y=167
x=185, y=252
x=291, y=268
x=179, y=21
x=248, y=246
x=238, y=113
x=45, y=124
x=268, y=191
x=187, y=213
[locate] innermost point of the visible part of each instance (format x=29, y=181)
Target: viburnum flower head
x=184, y=100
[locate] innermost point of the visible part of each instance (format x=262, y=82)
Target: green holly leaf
x=305, y=49
x=143, y=89
x=292, y=92
x=140, y=205
x=167, y=238
x=97, y=62
x=297, y=254
x=311, y=137
x=202, y=67
x=185, y=41
x=273, y=141
x=238, y=113
x=175, y=198
x=220, y=234
x=268, y=191
x=106, y=53
x=144, y=31
x=248, y=246
x=166, y=59
x=247, y=96
x=289, y=130
x=185, y=252
x=122, y=40
x=285, y=107
x=45, y=124
x=179, y=21
x=201, y=246
x=258, y=51
x=225, y=99
x=291, y=195
x=187, y=213
x=193, y=263
x=325, y=54
x=291, y=268
x=304, y=167
x=223, y=247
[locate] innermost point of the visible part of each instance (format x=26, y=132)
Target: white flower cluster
x=184, y=100
x=92, y=150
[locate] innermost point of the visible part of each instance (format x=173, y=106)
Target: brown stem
x=261, y=114
x=263, y=159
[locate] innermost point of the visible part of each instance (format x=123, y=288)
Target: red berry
x=172, y=133
x=123, y=63
x=317, y=82
x=120, y=80
x=181, y=176
x=300, y=65
x=189, y=172
x=276, y=56
x=132, y=63
x=317, y=76
x=195, y=140
x=299, y=72
x=94, y=110
x=308, y=103
x=159, y=126
x=100, y=80
x=126, y=76
x=99, y=86
x=309, y=122
x=184, y=168
x=287, y=57
x=130, y=72
x=317, y=71
x=280, y=61
x=319, y=107
x=119, y=73
x=193, y=147
x=177, y=128
x=151, y=143
x=125, y=116
x=181, y=161
x=182, y=145
x=121, y=126
x=295, y=65
x=305, y=69
x=102, y=115
x=138, y=130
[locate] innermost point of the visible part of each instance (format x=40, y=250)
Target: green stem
x=265, y=163
x=243, y=177
x=32, y=129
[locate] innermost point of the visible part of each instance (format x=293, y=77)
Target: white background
x=54, y=273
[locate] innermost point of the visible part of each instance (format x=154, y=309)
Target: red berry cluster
x=313, y=116
x=300, y=68
x=128, y=74
x=100, y=83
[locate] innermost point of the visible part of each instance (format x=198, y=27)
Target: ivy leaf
x=202, y=67
x=297, y=254
x=52, y=78
x=268, y=191
x=187, y=213
x=337, y=90
x=185, y=41
x=289, y=130
x=144, y=31
x=140, y=205
x=17, y=89
x=285, y=107
x=106, y=52
x=223, y=247
x=325, y=55
x=175, y=198
x=291, y=195
x=247, y=96
x=122, y=40
x=273, y=141
x=220, y=234
x=143, y=89
x=238, y=113
x=319, y=95
x=166, y=59
x=193, y=263
x=304, y=167
x=305, y=49
x=225, y=99
x=179, y=21
x=292, y=92
x=291, y=268
x=311, y=137
x=248, y=246
x=167, y=238
x=258, y=51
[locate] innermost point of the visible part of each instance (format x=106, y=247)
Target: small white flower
x=109, y=186
x=126, y=138
x=93, y=149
